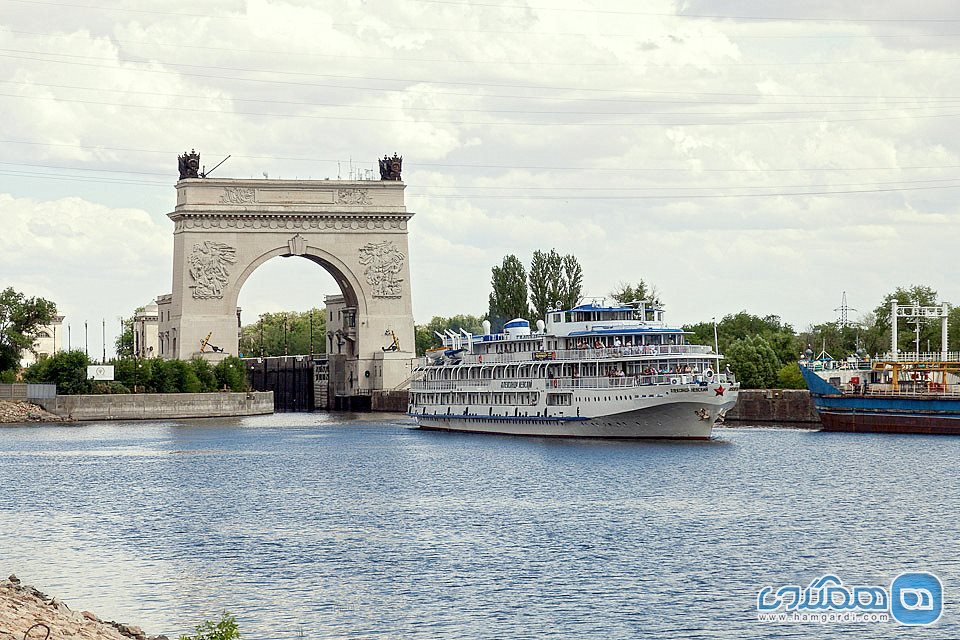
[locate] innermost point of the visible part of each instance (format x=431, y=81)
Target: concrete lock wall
x=773, y=405
x=152, y=406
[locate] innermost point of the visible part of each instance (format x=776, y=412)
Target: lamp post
x=86, y=339
x=311, y=331
x=103, y=341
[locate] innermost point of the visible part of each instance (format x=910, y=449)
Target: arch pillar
x=357, y=230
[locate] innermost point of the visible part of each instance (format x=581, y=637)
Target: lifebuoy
x=674, y=380
x=655, y=350
x=708, y=374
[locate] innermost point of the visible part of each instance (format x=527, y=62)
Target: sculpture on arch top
x=189, y=164
x=390, y=167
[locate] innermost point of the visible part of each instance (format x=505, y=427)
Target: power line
x=592, y=11
x=510, y=62
x=421, y=81
x=414, y=192
x=539, y=188
x=485, y=123
x=698, y=16
x=393, y=108
x=173, y=152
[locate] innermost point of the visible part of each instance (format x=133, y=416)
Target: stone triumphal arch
x=356, y=230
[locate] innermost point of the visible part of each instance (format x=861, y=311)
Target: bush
x=66, y=369
x=184, y=378
x=9, y=376
x=111, y=387
x=161, y=378
x=205, y=374
x=231, y=374
x=226, y=629
x=789, y=377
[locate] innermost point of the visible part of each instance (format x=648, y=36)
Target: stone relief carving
x=353, y=196
x=297, y=245
x=208, y=268
x=383, y=261
x=238, y=195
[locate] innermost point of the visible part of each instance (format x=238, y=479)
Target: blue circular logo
x=916, y=598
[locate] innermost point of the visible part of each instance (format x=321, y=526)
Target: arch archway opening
x=282, y=307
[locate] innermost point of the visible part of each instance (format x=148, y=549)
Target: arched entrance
x=356, y=230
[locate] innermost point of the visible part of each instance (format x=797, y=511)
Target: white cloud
x=482, y=102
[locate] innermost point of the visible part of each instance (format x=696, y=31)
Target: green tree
x=508, y=297
x=231, y=374
x=572, y=290
x=124, y=342
x=226, y=629
x=789, y=377
x=555, y=281
x=285, y=333
x=427, y=338
x=544, y=282
x=929, y=330
x=66, y=369
x=754, y=362
x=20, y=320
x=776, y=333
x=626, y=292
x=205, y=374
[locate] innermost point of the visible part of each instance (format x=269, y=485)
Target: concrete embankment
x=28, y=613
x=758, y=406
x=154, y=406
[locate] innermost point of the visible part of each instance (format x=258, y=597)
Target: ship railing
x=923, y=356
x=449, y=385
x=951, y=390
x=584, y=354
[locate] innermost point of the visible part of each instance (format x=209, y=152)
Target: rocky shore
x=19, y=411
x=26, y=613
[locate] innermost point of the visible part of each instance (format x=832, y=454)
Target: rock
x=90, y=616
x=14, y=579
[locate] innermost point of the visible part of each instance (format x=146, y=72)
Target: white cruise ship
x=594, y=371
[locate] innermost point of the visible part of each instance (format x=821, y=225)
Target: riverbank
x=24, y=608
x=18, y=411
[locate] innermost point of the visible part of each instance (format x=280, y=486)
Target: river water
x=320, y=526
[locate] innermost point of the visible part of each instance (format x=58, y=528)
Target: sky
x=737, y=155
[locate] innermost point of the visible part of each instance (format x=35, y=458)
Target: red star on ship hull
x=720, y=390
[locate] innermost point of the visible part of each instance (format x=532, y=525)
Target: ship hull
x=676, y=420
x=891, y=414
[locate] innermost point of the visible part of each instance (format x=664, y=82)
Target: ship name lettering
x=516, y=384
